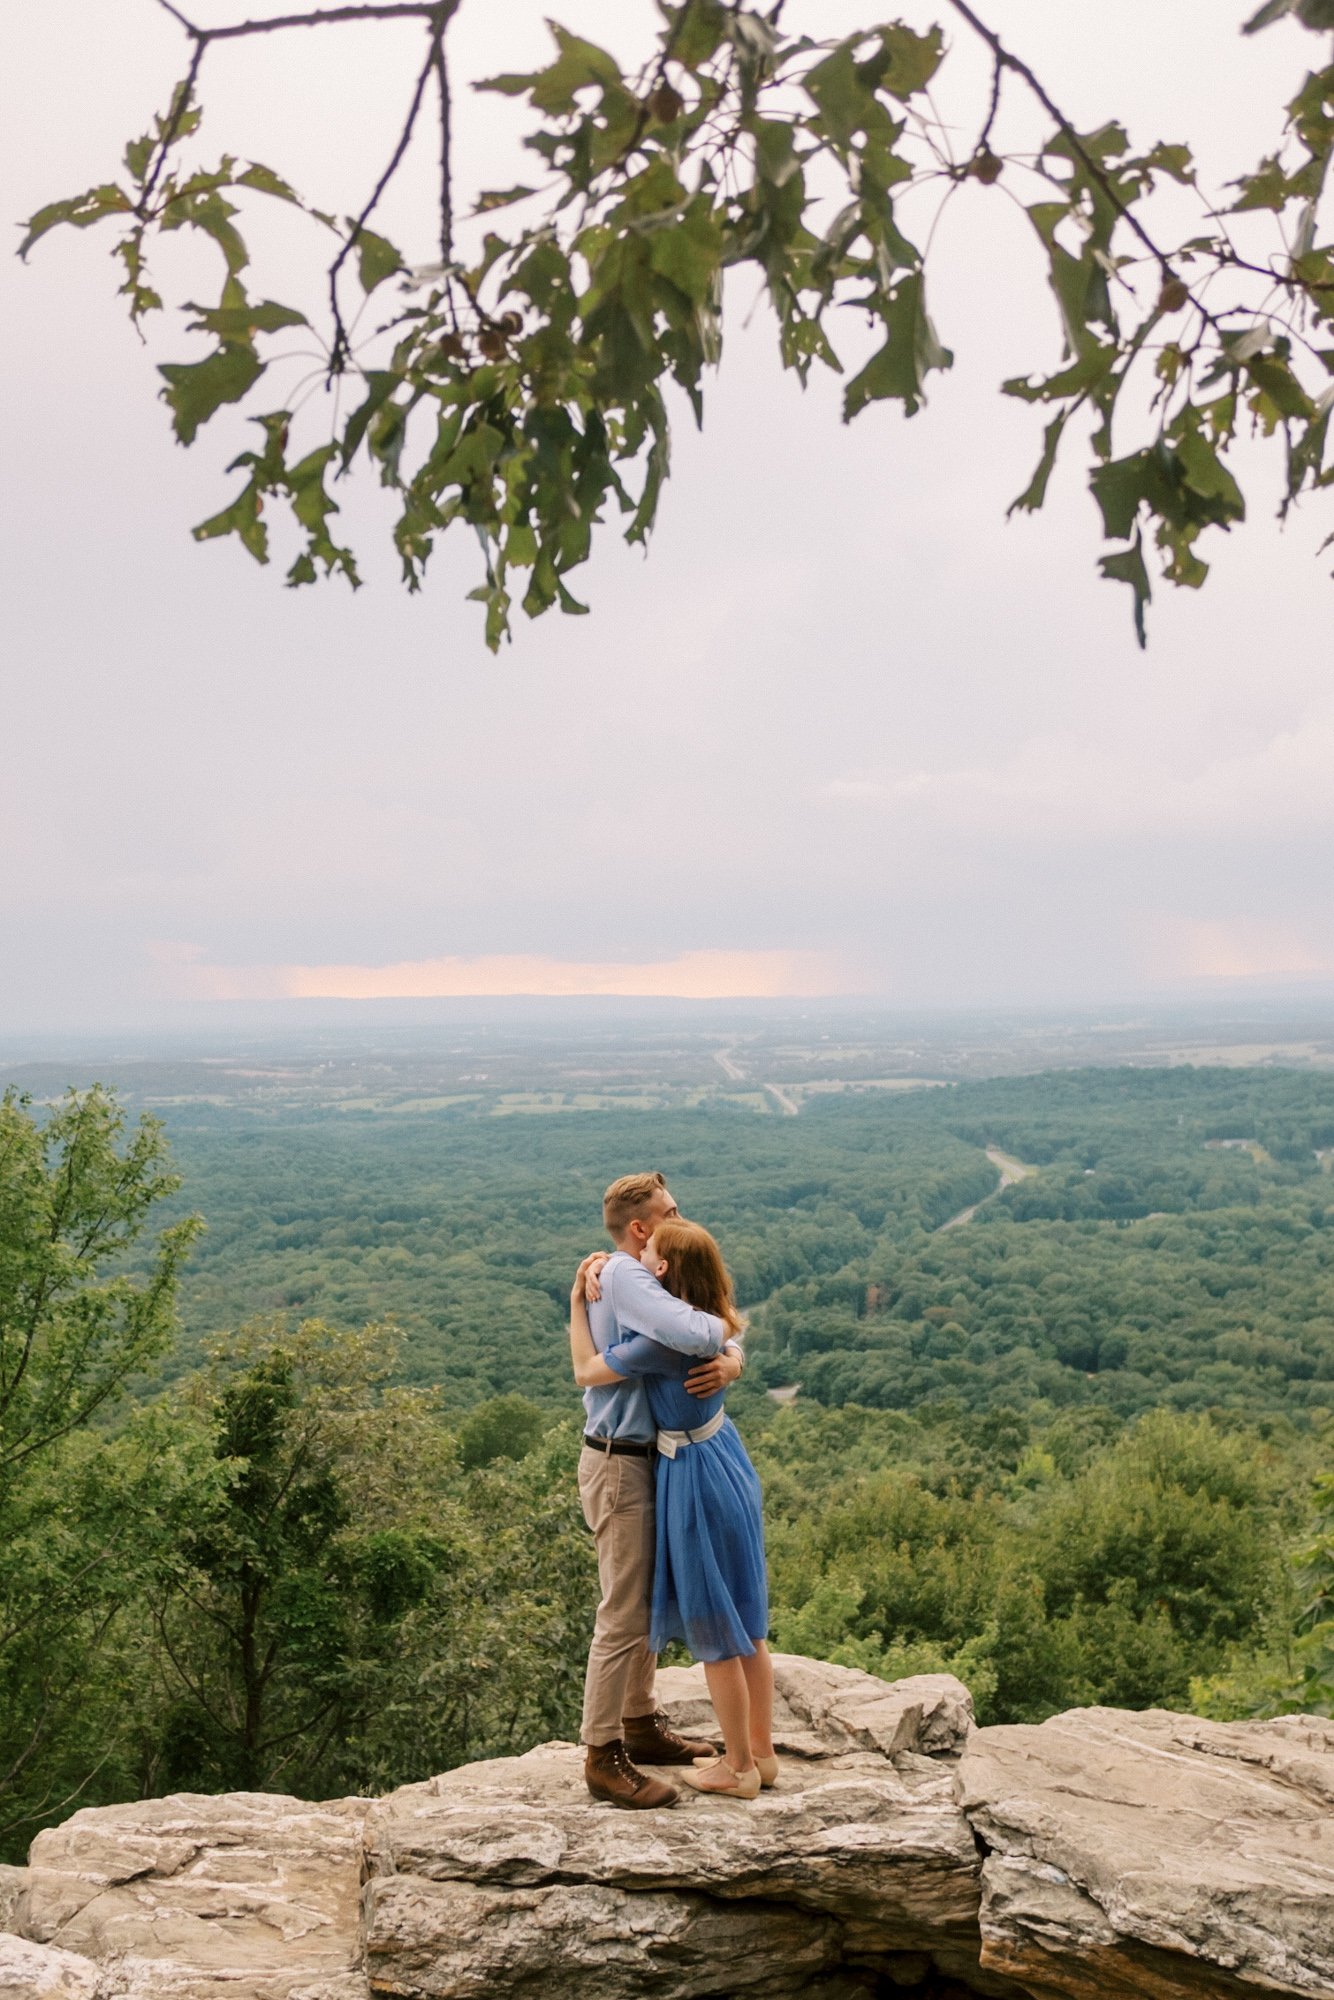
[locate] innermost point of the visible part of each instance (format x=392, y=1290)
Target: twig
x=1005, y=60
x=446, y=189
x=386, y=10
x=984, y=136
x=435, y=11
x=341, y=347
x=659, y=76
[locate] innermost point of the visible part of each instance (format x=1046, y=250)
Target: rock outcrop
x=1107, y=1854
x=1156, y=1855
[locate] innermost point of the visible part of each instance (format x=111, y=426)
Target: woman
x=709, y=1584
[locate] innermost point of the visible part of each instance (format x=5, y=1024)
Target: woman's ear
x=660, y=1268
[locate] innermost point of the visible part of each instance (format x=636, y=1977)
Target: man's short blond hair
x=627, y=1198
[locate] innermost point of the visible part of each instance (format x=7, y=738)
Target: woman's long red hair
x=695, y=1270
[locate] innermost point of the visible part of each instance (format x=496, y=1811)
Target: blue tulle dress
x=710, y=1588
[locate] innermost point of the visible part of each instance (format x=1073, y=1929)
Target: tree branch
x=177, y=15
x=983, y=145
x=446, y=185
x=440, y=14
x=389, y=10
x=1005, y=60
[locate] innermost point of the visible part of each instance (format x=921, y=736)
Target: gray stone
x=880, y=1850
x=1155, y=1854
x=820, y=1709
x=1098, y=1856
x=39, y=1972
x=12, y=1884
x=249, y=1894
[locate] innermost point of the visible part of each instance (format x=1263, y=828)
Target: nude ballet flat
x=766, y=1766
x=720, y=1781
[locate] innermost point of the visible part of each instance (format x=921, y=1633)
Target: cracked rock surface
x=1099, y=1856
x=1150, y=1854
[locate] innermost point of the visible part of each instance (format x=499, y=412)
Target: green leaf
x=138, y=153
x=239, y=322
x=898, y=369
x=80, y=211
x=775, y=150
x=1173, y=160
x=580, y=66
x=377, y=259
x=913, y=59
x=312, y=506
x=1268, y=187
x=1119, y=489
x=267, y=182
x=694, y=31
x=840, y=94
x=501, y=198
x=207, y=211
x=1092, y=367
x=1275, y=378
x=1273, y=10
x=689, y=251
x=196, y=390
x=1035, y=492
x=242, y=519
x=497, y=601
x=381, y=386
x=1207, y=475
x=1127, y=566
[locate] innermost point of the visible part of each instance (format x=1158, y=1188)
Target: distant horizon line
x=1229, y=999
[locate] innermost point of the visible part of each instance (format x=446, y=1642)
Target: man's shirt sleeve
x=642, y=1305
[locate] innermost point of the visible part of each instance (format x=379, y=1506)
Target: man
x=622, y=1727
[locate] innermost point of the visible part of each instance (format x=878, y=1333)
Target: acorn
x=512, y=322
x=453, y=346
x=1174, y=295
x=665, y=104
x=985, y=167
x=491, y=343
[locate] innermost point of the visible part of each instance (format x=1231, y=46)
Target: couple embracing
x=673, y=1502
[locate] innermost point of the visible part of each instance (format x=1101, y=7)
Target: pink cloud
x=693, y=975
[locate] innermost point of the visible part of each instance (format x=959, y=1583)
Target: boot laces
x=623, y=1768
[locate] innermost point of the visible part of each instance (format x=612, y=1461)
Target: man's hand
x=586, y=1278
x=706, y=1378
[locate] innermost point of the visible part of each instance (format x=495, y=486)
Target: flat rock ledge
x=1102, y=1855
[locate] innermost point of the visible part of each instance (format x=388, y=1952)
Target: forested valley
x=290, y=1503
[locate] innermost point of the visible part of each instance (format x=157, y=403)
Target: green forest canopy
x=1148, y=1261
x=519, y=379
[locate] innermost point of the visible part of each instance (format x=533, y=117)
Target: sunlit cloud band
x=694, y=975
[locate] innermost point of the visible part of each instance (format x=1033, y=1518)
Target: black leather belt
x=621, y=1447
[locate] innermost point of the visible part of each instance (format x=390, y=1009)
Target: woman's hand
x=586, y=1284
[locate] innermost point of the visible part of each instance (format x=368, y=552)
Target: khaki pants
x=616, y=1491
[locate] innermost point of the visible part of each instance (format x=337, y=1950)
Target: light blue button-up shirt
x=634, y=1302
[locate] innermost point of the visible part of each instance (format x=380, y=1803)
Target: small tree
x=74, y=1324
x=353, y=1610
x=84, y=1515
x=1315, y=1647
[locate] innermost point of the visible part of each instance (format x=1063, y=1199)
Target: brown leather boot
x=612, y=1778
x=650, y=1740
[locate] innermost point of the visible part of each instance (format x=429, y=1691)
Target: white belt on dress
x=670, y=1442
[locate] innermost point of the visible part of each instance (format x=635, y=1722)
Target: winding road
x=1010, y=1171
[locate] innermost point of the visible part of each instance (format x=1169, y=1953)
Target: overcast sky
x=845, y=730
